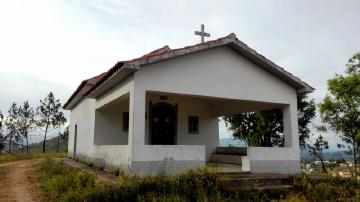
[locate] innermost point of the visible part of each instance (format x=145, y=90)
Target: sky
x=52, y=45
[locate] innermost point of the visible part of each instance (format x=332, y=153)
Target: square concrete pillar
x=136, y=122
x=291, y=130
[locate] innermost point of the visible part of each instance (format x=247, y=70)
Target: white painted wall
x=172, y=152
x=190, y=106
x=109, y=124
x=112, y=156
x=82, y=115
x=118, y=92
x=219, y=73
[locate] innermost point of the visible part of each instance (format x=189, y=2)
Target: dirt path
x=19, y=182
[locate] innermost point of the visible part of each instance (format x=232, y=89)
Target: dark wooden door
x=163, y=124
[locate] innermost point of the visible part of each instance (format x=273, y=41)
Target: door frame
x=175, y=107
x=75, y=140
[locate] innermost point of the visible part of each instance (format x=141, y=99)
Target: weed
x=61, y=183
x=2, y=171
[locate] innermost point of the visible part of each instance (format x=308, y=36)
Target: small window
x=125, y=121
x=193, y=125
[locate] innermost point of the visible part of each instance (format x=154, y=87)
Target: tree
x=265, y=128
x=65, y=135
x=306, y=112
x=48, y=109
x=318, y=147
x=2, y=138
x=257, y=128
x=341, y=108
x=12, y=125
x=26, y=121
x=58, y=121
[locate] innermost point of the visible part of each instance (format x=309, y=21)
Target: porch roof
x=96, y=86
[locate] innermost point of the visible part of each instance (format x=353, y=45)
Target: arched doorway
x=163, y=122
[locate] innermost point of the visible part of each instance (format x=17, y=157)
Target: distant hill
x=328, y=155
x=226, y=142
x=305, y=155
x=51, y=145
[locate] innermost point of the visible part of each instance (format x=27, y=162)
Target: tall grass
x=31, y=155
x=328, y=188
x=62, y=183
x=2, y=172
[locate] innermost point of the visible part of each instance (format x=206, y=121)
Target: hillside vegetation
x=62, y=183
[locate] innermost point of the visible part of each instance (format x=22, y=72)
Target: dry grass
x=31, y=155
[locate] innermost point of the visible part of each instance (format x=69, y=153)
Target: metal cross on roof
x=202, y=33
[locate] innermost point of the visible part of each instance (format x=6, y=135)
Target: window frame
x=191, y=121
x=125, y=122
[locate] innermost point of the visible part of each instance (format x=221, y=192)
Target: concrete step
x=227, y=158
x=242, y=151
x=225, y=168
x=263, y=187
x=258, y=181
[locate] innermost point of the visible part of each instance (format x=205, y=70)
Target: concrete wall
x=113, y=149
x=169, y=159
x=109, y=124
x=217, y=73
x=82, y=115
x=190, y=106
x=117, y=93
x=110, y=156
x=271, y=160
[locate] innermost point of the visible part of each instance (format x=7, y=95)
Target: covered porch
x=170, y=133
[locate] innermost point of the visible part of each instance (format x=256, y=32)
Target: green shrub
x=328, y=188
x=61, y=183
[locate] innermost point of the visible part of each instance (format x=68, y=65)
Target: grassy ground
x=328, y=188
x=31, y=155
x=2, y=171
x=62, y=183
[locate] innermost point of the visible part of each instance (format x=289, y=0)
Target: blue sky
x=52, y=45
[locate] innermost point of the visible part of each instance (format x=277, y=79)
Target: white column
x=290, y=121
x=136, y=123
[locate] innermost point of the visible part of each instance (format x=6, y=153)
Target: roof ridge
x=166, y=52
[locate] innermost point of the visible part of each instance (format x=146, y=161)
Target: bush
x=328, y=188
x=61, y=183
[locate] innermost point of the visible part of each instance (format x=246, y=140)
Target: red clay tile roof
x=84, y=86
x=90, y=85
x=154, y=53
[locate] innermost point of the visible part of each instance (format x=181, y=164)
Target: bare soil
x=19, y=182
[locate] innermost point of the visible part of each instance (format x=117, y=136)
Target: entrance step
x=227, y=158
x=248, y=181
x=242, y=151
x=258, y=180
x=225, y=168
x=263, y=187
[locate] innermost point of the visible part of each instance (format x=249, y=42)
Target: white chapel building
x=159, y=112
